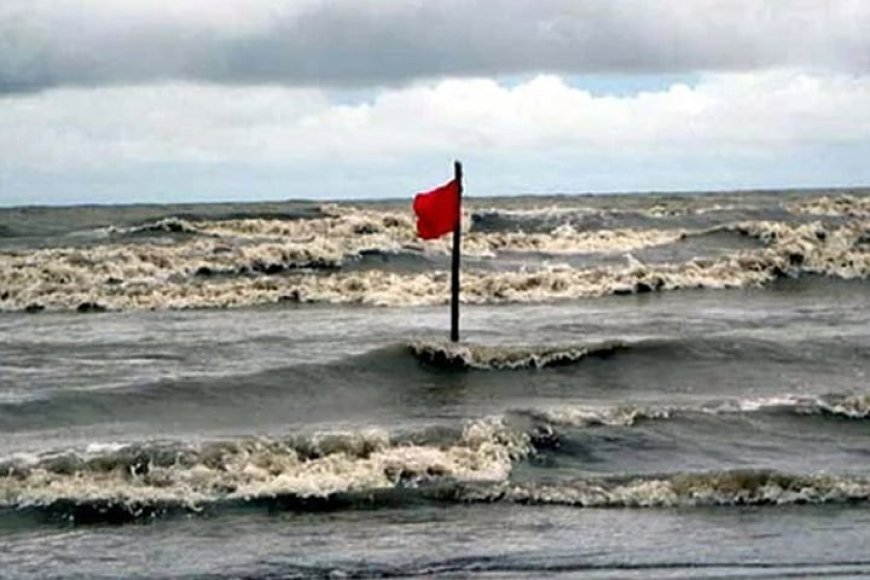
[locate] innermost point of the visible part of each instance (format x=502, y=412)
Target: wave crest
x=471, y=463
x=235, y=262
x=166, y=225
x=723, y=488
x=840, y=205
x=854, y=406
x=187, y=477
x=504, y=357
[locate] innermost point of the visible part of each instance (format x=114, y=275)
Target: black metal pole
x=457, y=237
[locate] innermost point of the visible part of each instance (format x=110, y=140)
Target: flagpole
x=457, y=237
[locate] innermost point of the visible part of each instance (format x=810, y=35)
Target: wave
x=842, y=406
x=566, y=239
x=855, y=406
x=718, y=488
x=472, y=462
x=168, y=225
x=421, y=360
x=547, y=419
x=505, y=357
x=247, y=262
x=844, y=205
x=570, y=212
x=143, y=279
x=648, y=214
x=350, y=224
x=137, y=477
x=722, y=489
x=377, y=371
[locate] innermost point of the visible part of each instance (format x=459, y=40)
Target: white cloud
x=735, y=114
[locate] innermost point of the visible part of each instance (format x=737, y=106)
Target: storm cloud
x=51, y=43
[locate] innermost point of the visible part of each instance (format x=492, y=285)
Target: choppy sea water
x=651, y=385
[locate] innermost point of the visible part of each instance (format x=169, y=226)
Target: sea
x=646, y=386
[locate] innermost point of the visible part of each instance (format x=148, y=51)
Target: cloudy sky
x=106, y=101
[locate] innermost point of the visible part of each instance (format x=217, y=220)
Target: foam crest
x=840, y=205
x=236, y=264
x=565, y=239
x=506, y=357
x=850, y=407
x=167, y=225
x=346, y=224
x=724, y=488
x=856, y=406
x=591, y=416
x=572, y=210
x=853, y=406
x=758, y=404
x=60, y=287
x=841, y=251
x=137, y=476
x=534, y=212
x=475, y=462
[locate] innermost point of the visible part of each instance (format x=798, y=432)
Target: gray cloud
x=49, y=43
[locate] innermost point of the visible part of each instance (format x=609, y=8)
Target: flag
x=437, y=210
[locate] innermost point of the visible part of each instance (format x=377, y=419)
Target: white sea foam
x=232, y=265
x=578, y=209
x=98, y=448
x=840, y=205
x=505, y=357
x=479, y=459
x=592, y=416
x=320, y=466
x=565, y=239
x=725, y=488
x=854, y=406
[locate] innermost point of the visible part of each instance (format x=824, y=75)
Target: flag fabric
x=437, y=210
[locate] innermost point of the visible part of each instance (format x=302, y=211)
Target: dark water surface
x=684, y=429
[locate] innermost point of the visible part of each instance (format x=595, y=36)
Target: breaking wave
x=139, y=479
x=328, y=259
x=167, y=225
x=842, y=205
x=475, y=356
x=469, y=463
x=719, y=488
x=847, y=407
x=855, y=406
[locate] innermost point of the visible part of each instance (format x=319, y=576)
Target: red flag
x=437, y=210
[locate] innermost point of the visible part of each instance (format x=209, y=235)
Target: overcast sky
x=163, y=100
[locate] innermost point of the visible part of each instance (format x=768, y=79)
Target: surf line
x=439, y=211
